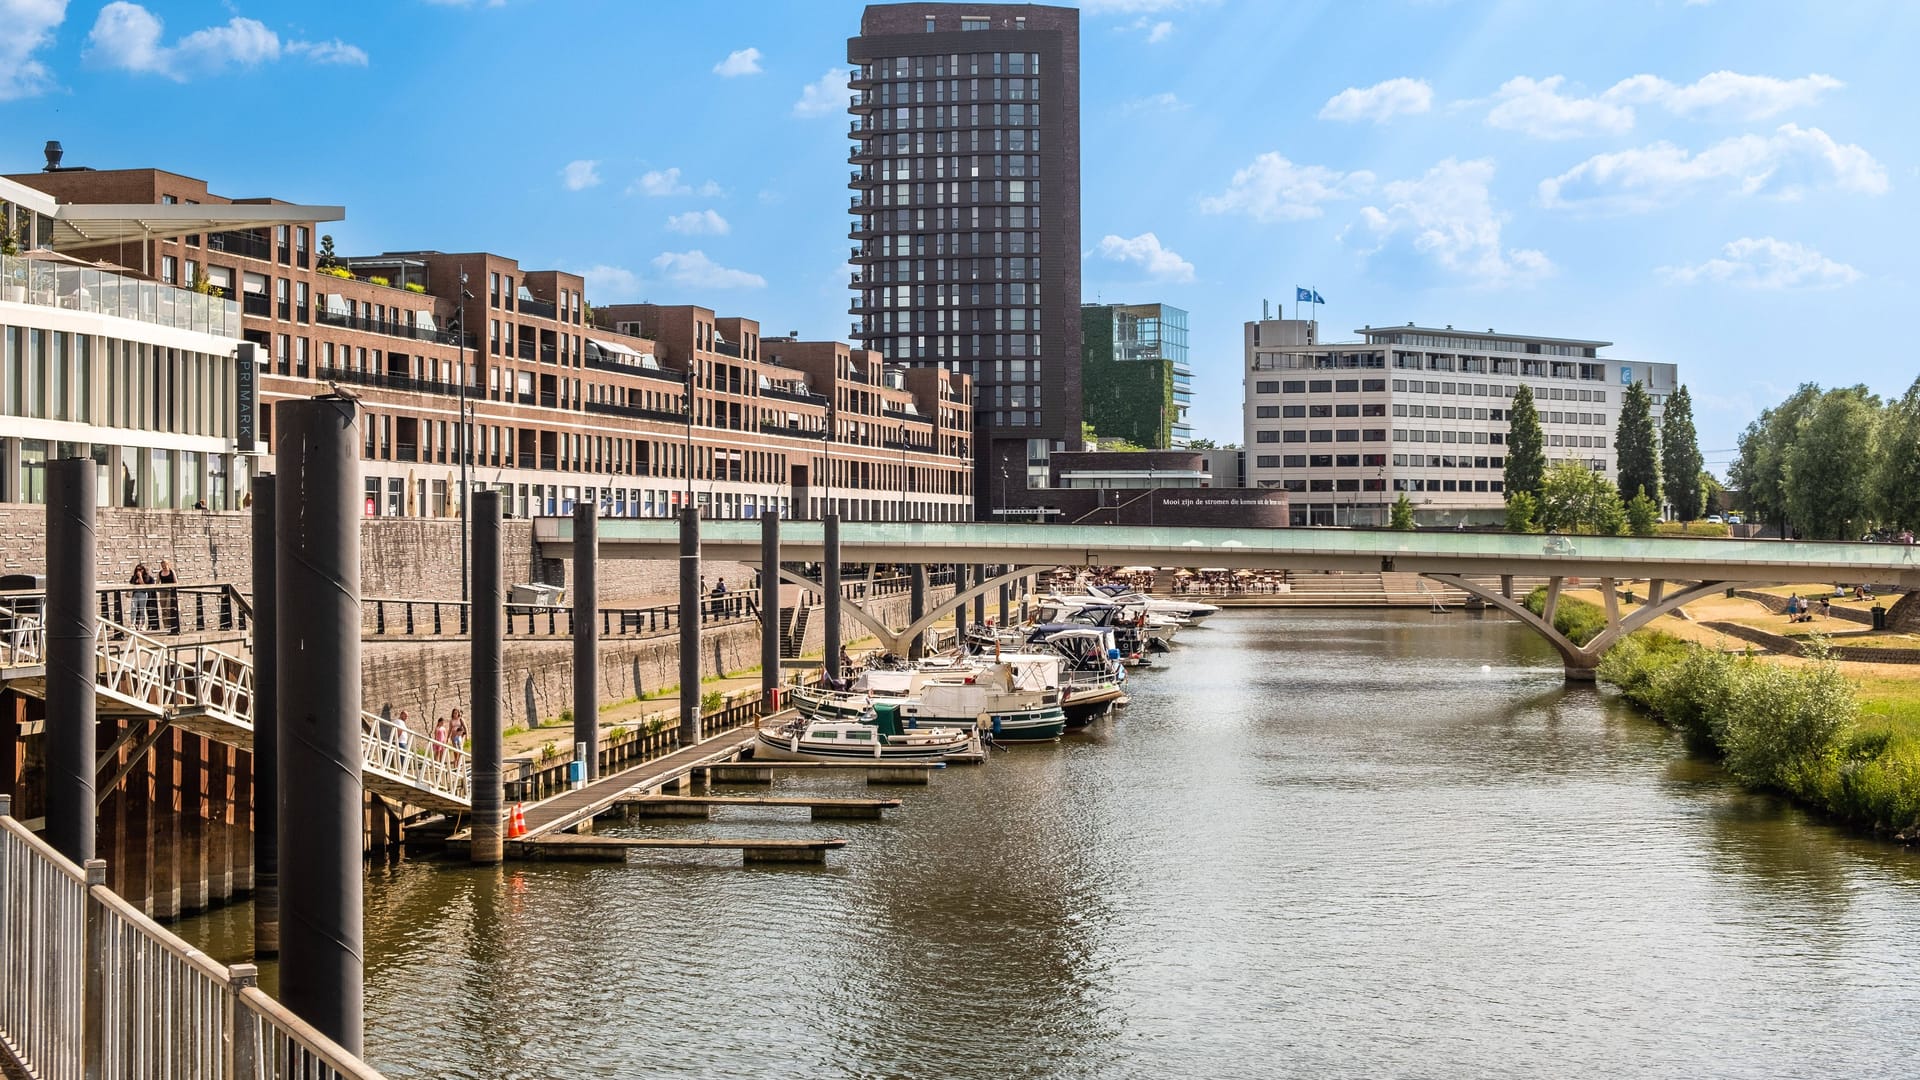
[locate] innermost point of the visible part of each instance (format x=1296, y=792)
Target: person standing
x=457, y=730
x=441, y=732
x=169, y=613
x=137, y=618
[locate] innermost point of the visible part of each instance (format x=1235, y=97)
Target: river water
x=1316, y=845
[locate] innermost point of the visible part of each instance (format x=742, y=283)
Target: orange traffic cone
x=516, y=823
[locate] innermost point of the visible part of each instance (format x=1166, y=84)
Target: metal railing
x=414, y=758
x=95, y=989
x=399, y=617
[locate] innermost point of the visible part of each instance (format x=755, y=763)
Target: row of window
x=940, y=91
x=900, y=144
x=1374, y=461
x=904, y=118
x=949, y=346
x=904, y=270
x=1417, y=386
x=919, y=67
x=1323, y=435
x=81, y=378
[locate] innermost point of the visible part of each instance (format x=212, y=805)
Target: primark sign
x=246, y=392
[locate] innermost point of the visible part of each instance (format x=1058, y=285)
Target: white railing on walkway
x=93, y=988
x=172, y=679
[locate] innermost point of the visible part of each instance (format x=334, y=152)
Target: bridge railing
x=400, y=617
x=93, y=988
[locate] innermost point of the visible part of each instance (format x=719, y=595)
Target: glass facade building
x=1137, y=383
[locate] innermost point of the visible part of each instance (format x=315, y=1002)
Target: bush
x=414, y=287
x=1691, y=528
x=566, y=717
x=712, y=701
x=376, y=279
x=1795, y=730
x=1580, y=621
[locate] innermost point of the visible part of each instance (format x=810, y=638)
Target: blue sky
x=1726, y=185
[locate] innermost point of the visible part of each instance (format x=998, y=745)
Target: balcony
x=861, y=154
x=727, y=348
x=254, y=303
x=549, y=399
x=860, y=78
x=788, y=431
x=901, y=414
x=861, y=102
x=525, y=397
x=862, y=129
x=636, y=412
x=406, y=453
x=658, y=374
x=390, y=381
x=549, y=462
x=81, y=288
x=244, y=244
x=538, y=308
x=548, y=355
x=525, y=349
x=795, y=396
x=389, y=328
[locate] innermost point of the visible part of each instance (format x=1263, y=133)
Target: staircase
x=208, y=692
x=793, y=631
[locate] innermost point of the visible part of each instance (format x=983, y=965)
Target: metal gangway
x=93, y=988
x=207, y=691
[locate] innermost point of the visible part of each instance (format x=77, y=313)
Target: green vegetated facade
x=1125, y=399
x=1803, y=730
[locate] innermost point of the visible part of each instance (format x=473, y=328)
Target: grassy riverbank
x=1807, y=731
x=1837, y=740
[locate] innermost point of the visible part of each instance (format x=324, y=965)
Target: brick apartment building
x=563, y=403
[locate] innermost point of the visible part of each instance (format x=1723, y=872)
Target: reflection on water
x=1388, y=844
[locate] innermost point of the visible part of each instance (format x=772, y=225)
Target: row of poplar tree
x=1839, y=464
x=1569, y=496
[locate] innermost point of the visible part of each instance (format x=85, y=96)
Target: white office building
x=1345, y=428
x=151, y=381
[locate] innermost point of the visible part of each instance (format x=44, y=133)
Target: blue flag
x=1316, y=298
x=1304, y=296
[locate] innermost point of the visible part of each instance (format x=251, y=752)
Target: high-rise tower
x=966, y=180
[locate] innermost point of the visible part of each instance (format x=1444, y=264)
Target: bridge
x=1678, y=570
x=208, y=691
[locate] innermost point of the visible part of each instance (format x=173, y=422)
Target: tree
x=1642, y=514
x=1680, y=460
x=1760, y=473
x=1898, y=475
x=1574, y=498
x=1831, y=464
x=1201, y=444
x=1633, y=444
x=1402, y=518
x=327, y=260
x=1526, y=446
x=1522, y=510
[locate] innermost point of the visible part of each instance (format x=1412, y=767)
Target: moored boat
x=880, y=737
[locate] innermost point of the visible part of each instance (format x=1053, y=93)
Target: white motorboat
x=879, y=738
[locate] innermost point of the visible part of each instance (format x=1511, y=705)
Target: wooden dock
x=692, y=806
x=563, y=812
x=615, y=848
x=761, y=772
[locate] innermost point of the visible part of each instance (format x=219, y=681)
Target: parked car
x=1736, y=519
x=1714, y=519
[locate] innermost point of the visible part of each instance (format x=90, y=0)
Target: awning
x=623, y=353
x=336, y=304
x=78, y=225
x=423, y=320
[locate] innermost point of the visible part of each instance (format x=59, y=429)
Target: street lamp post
x=462, y=438
x=688, y=463
x=903, y=472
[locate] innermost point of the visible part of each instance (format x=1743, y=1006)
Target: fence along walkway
x=201, y=689
x=93, y=988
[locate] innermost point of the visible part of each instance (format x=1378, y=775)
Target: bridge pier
x=266, y=725
x=586, y=634
x=960, y=613
x=769, y=609
x=830, y=582
x=689, y=625
x=484, y=682
x=916, y=607
x=318, y=567
x=71, y=618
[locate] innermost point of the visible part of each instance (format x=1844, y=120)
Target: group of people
x=1801, y=610
x=448, y=732
x=152, y=609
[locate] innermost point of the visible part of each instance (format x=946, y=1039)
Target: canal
x=1317, y=844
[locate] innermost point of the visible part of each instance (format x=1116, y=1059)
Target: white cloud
x=612, y=284
x=1766, y=263
x=1164, y=102
x=1156, y=30
x=1725, y=93
x=659, y=182
x=1785, y=164
x=825, y=96
x=698, y=222
x=1450, y=216
x=1538, y=108
x=712, y=190
x=1162, y=264
x=694, y=269
x=329, y=52
x=26, y=27
x=129, y=37
x=739, y=62
x=580, y=175
x=1136, y=7
x=1275, y=189
x=1379, y=102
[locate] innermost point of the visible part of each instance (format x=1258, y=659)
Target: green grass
x=1806, y=730
x=1580, y=620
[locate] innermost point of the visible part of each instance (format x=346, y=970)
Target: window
x=1320, y=386
x=1321, y=461
x=1347, y=435
x=1294, y=461
x=1267, y=461
x=1374, y=385
x=1267, y=412
x=1293, y=436
x=1293, y=412
x=1268, y=436
x=1267, y=386
x=1294, y=386
x=1346, y=410
x=1347, y=386
x=968, y=22
x=1319, y=435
